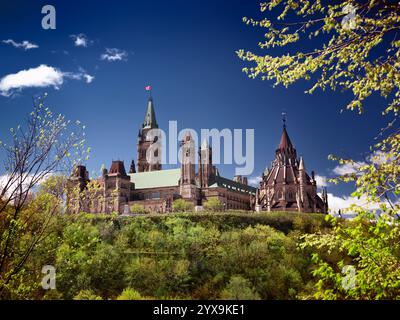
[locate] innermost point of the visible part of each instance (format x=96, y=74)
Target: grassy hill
x=218, y=255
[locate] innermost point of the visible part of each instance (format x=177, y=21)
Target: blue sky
x=186, y=51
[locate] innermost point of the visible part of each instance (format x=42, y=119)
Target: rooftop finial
x=284, y=119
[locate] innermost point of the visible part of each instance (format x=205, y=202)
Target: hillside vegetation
x=233, y=255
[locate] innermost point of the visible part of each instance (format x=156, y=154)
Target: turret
x=132, y=168
x=149, y=144
x=188, y=160
x=80, y=176
x=117, y=187
x=76, y=190
x=303, y=184
x=187, y=183
x=205, y=164
x=302, y=167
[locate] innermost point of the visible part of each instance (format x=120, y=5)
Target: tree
x=46, y=145
x=181, y=205
x=368, y=263
x=357, y=50
x=85, y=260
x=138, y=209
x=345, y=32
x=213, y=205
x=55, y=185
x=239, y=288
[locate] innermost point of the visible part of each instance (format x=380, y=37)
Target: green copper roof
x=150, y=117
x=156, y=179
x=219, y=181
x=170, y=178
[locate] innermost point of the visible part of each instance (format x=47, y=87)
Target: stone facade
x=286, y=186
x=153, y=188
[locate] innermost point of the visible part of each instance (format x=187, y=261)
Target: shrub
x=129, y=294
x=138, y=209
x=239, y=288
x=180, y=205
x=213, y=204
x=87, y=295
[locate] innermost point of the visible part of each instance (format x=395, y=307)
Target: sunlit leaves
x=362, y=56
x=342, y=59
x=43, y=146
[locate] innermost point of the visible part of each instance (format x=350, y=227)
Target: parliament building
x=284, y=187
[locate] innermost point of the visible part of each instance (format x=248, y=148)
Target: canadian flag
x=147, y=88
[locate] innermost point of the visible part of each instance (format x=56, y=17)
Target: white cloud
x=26, y=45
x=347, y=168
x=84, y=75
x=380, y=157
x=254, y=181
x=376, y=158
x=80, y=40
x=321, y=181
x=79, y=76
x=114, y=54
x=42, y=76
x=336, y=202
x=39, y=77
x=88, y=78
x=13, y=185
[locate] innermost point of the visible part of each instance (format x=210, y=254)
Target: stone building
x=153, y=188
x=286, y=186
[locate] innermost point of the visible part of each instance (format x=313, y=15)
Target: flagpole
x=149, y=88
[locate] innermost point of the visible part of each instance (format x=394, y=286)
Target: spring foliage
x=169, y=257
x=357, y=50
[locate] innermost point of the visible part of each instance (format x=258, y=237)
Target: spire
x=132, y=169
x=301, y=165
x=285, y=142
x=204, y=145
x=150, y=118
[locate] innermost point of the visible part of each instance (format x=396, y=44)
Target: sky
x=95, y=65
